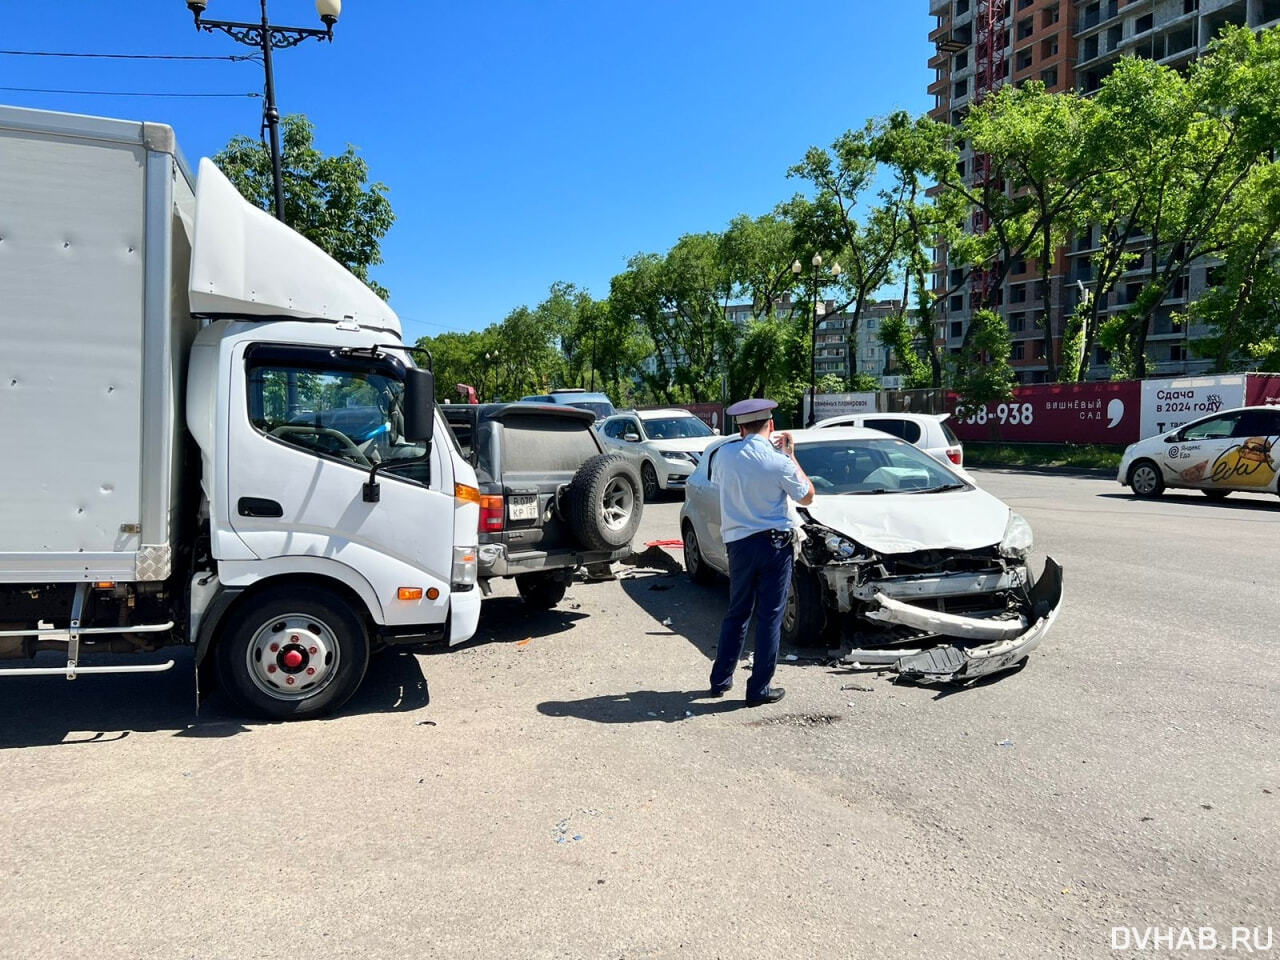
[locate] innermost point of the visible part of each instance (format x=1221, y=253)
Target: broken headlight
x=841, y=547
x=1017, y=537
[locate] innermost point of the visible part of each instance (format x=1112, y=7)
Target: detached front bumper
x=968, y=647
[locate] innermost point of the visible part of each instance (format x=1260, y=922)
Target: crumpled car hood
x=907, y=522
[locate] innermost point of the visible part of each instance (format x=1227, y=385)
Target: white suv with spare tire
x=551, y=498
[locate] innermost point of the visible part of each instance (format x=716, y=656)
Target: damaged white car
x=899, y=555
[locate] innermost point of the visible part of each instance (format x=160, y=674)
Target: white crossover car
x=930, y=432
x=667, y=443
x=1230, y=450
x=901, y=555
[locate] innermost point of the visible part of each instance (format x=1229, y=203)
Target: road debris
x=525, y=642
x=1005, y=743
x=654, y=558
x=425, y=723
x=858, y=687
x=666, y=622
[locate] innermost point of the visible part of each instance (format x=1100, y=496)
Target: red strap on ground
x=669, y=544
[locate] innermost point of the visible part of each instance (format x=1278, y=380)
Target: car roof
x=916, y=417
x=818, y=434
x=666, y=412
x=500, y=411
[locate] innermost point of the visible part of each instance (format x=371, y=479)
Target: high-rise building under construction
x=1070, y=45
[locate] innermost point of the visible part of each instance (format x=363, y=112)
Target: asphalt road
x=573, y=796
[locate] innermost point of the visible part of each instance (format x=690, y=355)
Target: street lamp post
x=818, y=310
x=490, y=361
x=267, y=37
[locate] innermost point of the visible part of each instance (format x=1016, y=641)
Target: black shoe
x=768, y=695
x=719, y=691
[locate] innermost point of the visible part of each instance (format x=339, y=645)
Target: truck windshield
x=354, y=415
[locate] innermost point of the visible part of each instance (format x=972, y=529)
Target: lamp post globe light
x=268, y=37
x=819, y=309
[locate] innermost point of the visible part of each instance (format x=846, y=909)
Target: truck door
x=306, y=425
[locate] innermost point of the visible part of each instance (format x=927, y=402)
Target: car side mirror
x=419, y=405
x=631, y=437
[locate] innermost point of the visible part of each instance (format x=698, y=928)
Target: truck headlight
x=1017, y=537
x=464, y=568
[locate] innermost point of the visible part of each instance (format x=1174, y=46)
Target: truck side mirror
x=419, y=405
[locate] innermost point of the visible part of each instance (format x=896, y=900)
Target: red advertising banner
x=1104, y=412
x=712, y=414
x=1262, y=389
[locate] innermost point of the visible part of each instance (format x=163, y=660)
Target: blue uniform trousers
x=759, y=579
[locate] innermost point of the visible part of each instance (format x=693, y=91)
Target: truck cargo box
x=95, y=221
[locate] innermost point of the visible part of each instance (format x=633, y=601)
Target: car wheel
x=605, y=502
x=290, y=654
x=694, y=563
x=649, y=480
x=804, y=618
x=542, y=591
x=1217, y=495
x=1145, y=479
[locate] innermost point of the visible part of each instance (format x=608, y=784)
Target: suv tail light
x=956, y=455
x=492, y=514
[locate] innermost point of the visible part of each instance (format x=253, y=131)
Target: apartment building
x=1069, y=45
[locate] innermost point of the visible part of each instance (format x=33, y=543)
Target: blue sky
x=523, y=142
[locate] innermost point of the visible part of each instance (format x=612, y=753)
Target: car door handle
x=259, y=507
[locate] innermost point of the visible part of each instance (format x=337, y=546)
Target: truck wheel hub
x=292, y=657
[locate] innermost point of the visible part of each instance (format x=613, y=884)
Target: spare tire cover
x=605, y=503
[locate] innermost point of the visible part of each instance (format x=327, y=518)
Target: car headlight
x=1017, y=537
x=840, y=546
x=679, y=456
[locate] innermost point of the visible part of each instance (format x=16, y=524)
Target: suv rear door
x=536, y=453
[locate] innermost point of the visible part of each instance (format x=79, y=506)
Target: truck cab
x=227, y=443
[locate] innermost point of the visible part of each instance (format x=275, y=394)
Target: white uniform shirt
x=755, y=481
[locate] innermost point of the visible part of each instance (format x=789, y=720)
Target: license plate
x=522, y=508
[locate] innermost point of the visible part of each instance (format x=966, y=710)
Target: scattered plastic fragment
x=854, y=686
x=688, y=713
x=666, y=622
x=650, y=714
x=425, y=723
x=792, y=657
x=524, y=642
x=1005, y=743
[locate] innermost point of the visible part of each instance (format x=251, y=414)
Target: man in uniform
x=755, y=476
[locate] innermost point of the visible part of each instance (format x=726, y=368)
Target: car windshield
x=676, y=428
x=873, y=466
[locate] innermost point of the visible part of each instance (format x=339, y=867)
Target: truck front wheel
x=292, y=653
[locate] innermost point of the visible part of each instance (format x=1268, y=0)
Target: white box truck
x=212, y=433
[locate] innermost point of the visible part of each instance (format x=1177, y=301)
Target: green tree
x=898, y=334
x=329, y=200
x=1034, y=139
x=983, y=374
x=1219, y=132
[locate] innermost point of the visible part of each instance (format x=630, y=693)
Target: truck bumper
x=464, y=614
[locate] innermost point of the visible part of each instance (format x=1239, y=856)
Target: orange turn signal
x=105, y=584
x=433, y=593
x=465, y=493
x=409, y=593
